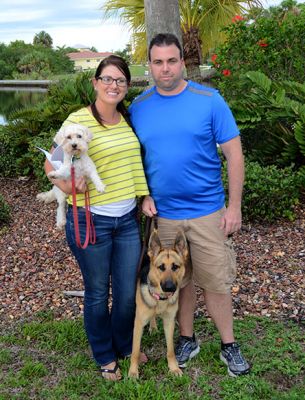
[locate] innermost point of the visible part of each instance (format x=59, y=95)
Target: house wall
x=87, y=63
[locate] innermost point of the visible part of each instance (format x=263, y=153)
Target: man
x=180, y=123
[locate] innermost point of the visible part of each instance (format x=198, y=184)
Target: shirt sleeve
x=223, y=122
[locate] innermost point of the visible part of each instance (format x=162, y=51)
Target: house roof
x=87, y=54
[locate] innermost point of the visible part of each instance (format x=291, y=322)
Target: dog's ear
x=87, y=134
x=154, y=245
x=60, y=136
x=181, y=244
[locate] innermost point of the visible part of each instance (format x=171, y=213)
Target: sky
x=68, y=22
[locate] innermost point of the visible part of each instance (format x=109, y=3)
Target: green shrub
x=271, y=117
x=37, y=158
x=269, y=192
x=5, y=214
x=260, y=72
x=270, y=41
x=36, y=126
x=31, y=124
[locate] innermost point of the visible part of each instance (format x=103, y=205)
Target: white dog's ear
x=87, y=134
x=60, y=136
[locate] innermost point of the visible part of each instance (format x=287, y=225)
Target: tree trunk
x=192, y=53
x=162, y=16
x=193, y=70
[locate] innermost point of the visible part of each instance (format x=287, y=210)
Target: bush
x=36, y=126
x=37, y=158
x=5, y=214
x=271, y=117
x=270, y=41
x=269, y=192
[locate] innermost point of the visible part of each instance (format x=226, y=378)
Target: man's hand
x=148, y=207
x=231, y=220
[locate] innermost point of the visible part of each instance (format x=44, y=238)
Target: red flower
x=226, y=72
x=262, y=43
x=237, y=18
x=214, y=58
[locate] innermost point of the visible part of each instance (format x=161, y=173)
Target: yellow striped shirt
x=115, y=151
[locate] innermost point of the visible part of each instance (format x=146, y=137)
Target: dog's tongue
x=158, y=297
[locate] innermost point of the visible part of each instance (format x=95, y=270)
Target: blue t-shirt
x=179, y=135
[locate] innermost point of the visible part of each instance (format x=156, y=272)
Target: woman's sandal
x=114, y=371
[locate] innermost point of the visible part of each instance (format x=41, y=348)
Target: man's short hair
x=164, y=39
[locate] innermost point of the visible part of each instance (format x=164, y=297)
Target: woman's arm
x=66, y=185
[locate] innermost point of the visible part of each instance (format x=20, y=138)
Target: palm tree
x=201, y=21
x=43, y=39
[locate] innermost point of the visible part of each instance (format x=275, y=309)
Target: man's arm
x=232, y=150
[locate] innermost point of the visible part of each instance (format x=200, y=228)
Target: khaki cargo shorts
x=212, y=258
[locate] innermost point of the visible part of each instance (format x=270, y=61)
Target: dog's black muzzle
x=168, y=286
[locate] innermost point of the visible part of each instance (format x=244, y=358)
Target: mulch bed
x=36, y=266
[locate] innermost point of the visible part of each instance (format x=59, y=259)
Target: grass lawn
x=137, y=70
x=47, y=359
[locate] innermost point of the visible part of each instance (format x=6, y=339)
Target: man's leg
x=187, y=346
x=219, y=307
x=220, y=310
x=187, y=304
x=213, y=260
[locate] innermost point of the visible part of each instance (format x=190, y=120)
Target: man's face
x=166, y=68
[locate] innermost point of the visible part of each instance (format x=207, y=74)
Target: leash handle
x=90, y=231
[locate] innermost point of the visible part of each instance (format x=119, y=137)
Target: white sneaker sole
x=222, y=358
x=192, y=355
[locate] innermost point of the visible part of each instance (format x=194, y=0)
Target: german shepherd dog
x=157, y=294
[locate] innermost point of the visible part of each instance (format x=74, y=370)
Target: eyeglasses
x=107, y=80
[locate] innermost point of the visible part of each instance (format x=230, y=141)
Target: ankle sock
x=190, y=338
x=226, y=345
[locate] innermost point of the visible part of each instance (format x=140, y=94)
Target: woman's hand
x=66, y=185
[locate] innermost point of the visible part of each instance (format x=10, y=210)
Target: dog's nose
x=74, y=145
x=168, y=286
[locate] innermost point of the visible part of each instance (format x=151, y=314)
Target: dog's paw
x=41, y=196
x=176, y=371
x=133, y=373
x=60, y=225
x=101, y=188
x=52, y=175
x=153, y=326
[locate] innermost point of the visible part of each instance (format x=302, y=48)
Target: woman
x=115, y=151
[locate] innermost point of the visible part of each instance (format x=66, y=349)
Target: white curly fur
x=74, y=141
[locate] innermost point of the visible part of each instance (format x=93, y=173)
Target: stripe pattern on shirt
x=115, y=151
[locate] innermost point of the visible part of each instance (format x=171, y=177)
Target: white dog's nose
x=74, y=145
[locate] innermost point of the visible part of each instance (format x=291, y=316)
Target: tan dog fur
x=165, y=271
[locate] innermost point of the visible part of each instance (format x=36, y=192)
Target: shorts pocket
x=231, y=261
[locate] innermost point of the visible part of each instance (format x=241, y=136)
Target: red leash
x=90, y=231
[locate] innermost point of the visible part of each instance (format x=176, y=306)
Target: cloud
x=14, y=15
x=68, y=23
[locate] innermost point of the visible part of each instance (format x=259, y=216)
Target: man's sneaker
x=231, y=355
x=187, y=348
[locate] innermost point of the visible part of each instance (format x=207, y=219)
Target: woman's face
x=110, y=92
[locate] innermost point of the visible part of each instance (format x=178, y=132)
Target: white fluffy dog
x=74, y=141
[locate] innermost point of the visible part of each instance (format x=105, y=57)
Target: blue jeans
x=114, y=256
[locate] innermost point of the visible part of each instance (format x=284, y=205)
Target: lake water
x=12, y=99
